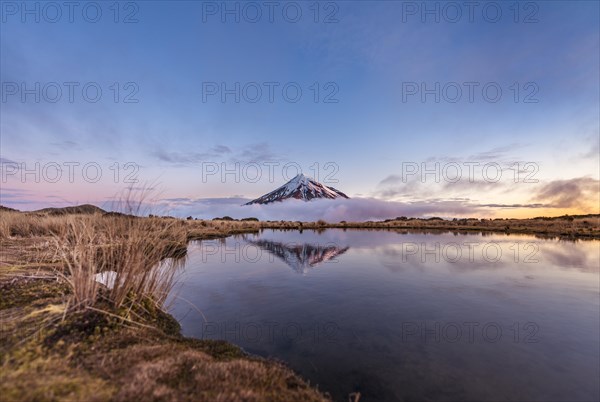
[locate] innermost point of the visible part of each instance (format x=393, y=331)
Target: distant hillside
x=79, y=209
x=7, y=209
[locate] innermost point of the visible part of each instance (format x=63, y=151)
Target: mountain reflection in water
x=405, y=316
x=301, y=257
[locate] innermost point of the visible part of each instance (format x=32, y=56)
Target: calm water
x=405, y=316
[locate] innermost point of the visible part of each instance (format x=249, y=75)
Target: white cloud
x=356, y=209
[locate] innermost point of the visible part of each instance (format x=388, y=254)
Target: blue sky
x=366, y=54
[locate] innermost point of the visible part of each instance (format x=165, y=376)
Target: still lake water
x=405, y=316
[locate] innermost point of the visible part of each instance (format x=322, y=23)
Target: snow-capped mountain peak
x=301, y=187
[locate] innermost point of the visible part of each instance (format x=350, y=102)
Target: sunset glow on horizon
x=408, y=111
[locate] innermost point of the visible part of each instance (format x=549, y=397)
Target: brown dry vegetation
x=577, y=226
x=65, y=337
x=581, y=226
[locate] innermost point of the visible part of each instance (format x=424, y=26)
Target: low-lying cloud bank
x=577, y=195
x=356, y=209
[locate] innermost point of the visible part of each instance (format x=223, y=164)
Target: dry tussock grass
x=36, y=382
x=30, y=225
x=138, y=253
x=133, y=254
x=71, y=339
x=174, y=373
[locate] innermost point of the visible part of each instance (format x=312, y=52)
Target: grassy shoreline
x=100, y=352
x=132, y=349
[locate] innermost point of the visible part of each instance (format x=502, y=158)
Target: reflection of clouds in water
x=369, y=238
x=568, y=255
x=457, y=255
x=394, y=249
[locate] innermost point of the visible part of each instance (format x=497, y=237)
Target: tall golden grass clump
x=77, y=248
x=27, y=225
x=135, y=258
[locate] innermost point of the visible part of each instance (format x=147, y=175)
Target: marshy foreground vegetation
x=64, y=335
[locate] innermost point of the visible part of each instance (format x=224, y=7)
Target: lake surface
x=405, y=316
